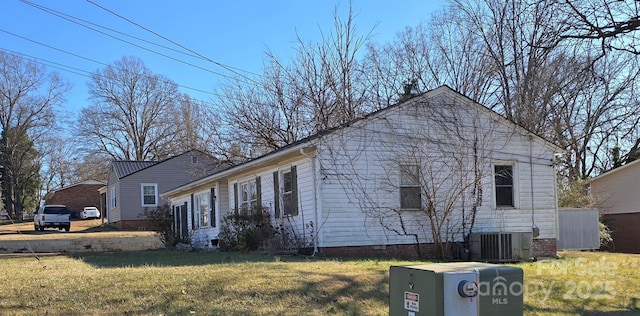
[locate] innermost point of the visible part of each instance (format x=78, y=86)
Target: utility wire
x=49, y=63
x=74, y=19
x=229, y=68
x=62, y=15
x=85, y=58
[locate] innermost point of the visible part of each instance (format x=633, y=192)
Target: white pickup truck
x=57, y=216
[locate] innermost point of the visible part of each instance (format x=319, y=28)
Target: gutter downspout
x=534, y=229
x=312, y=160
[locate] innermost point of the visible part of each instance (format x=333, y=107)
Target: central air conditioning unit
x=501, y=247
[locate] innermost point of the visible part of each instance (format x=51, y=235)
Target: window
x=247, y=194
x=504, y=185
x=203, y=209
x=149, y=194
x=194, y=160
x=410, y=197
x=113, y=198
x=286, y=194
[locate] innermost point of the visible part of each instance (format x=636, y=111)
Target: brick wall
x=544, y=248
x=382, y=251
x=77, y=197
x=624, y=231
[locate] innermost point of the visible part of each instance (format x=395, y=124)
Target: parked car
x=90, y=212
x=56, y=216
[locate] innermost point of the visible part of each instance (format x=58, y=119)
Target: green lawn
x=179, y=283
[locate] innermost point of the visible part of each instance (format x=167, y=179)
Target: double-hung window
x=113, y=198
x=285, y=183
x=149, y=194
x=247, y=194
x=504, y=185
x=410, y=192
x=204, y=209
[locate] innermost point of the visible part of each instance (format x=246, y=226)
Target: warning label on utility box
x=412, y=301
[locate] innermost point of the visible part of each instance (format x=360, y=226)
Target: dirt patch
x=76, y=225
x=85, y=235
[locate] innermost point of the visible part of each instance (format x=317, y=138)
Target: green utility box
x=455, y=289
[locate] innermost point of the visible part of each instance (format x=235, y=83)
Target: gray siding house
x=134, y=186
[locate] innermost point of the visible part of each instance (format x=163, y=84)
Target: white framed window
x=285, y=183
x=149, y=194
x=504, y=181
x=194, y=160
x=248, y=198
x=410, y=191
x=113, y=198
x=203, y=209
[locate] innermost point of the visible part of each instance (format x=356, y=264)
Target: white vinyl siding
x=365, y=157
x=372, y=150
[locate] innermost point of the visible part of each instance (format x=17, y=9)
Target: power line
x=85, y=58
x=88, y=74
x=229, y=68
x=52, y=64
x=75, y=20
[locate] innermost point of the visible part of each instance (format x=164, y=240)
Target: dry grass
x=178, y=283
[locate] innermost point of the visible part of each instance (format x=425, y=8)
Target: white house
x=432, y=169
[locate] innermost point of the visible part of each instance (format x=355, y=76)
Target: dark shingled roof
x=125, y=168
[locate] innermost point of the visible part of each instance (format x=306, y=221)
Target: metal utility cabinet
x=455, y=289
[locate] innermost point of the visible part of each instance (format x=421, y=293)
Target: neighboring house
x=134, y=186
x=77, y=196
x=364, y=189
x=618, y=196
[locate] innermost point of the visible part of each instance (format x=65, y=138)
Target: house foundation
x=542, y=248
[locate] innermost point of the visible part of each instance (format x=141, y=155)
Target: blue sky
x=234, y=33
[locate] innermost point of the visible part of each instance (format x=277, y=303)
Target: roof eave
x=230, y=171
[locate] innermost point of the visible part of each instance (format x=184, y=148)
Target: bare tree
x=263, y=117
x=133, y=115
x=320, y=88
x=58, y=155
x=28, y=97
x=442, y=52
x=92, y=166
x=513, y=57
x=593, y=112
x=330, y=77
x=612, y=25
